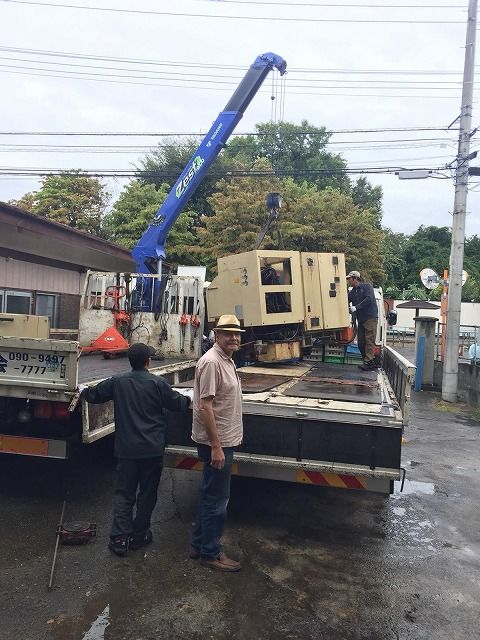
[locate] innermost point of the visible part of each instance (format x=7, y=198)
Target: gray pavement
x=317, y=563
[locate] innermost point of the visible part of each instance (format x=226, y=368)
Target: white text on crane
x=186, y=179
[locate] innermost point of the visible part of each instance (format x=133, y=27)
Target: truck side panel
x=359, y=444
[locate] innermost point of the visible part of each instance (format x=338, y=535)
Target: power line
x=128, y=173
x=217, y=78
x=191, y=86
x=217, y=67
x=248, y=146
x=228, y=17
x=166, y=134
x=328, y=4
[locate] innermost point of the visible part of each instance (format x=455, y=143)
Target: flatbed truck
x=311, y=422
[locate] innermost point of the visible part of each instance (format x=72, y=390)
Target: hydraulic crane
x=149, y=252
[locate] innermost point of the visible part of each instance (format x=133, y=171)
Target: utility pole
x=450, y=364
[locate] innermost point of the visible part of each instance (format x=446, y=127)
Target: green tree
x=415, y=292
x=133, y=212
x=26, y=202
x=427, y=247
x=392, y=249
x=71, y=198
x=329, y=221
x=239, y=214
x=310, y=220
x=167, y=162
x=294, y=150
x=471, y=290
x=366, y=196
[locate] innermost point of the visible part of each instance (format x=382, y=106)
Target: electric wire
x=199, y=84
x=126, y=173
x=218, y=78
x=450, y=140
x=270, y=18
x=167, y=134
x=342, y=5
x=220, y=66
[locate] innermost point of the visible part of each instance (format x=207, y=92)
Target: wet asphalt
x=317, y=563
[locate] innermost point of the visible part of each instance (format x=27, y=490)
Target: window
x=15, y=302
x=47, y=305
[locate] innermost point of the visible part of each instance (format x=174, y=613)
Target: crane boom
x=149, y=251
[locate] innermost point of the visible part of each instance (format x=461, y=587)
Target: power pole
x=450, y=364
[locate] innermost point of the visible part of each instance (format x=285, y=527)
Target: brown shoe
x=194, y=553
x=222, y=563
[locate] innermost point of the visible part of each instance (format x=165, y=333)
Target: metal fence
x=468, y=347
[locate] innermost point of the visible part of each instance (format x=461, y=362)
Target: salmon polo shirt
x=216, y=375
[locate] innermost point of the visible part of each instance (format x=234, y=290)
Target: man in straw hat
x=217, y=429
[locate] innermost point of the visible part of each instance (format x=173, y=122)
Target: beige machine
x=305, y=293
x=24, y=326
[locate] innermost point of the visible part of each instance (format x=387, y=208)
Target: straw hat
x=228, y=323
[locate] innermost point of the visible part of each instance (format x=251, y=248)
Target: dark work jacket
x=363, y=298
x=140, y=401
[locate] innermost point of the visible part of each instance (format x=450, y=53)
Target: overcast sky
x=179, y=62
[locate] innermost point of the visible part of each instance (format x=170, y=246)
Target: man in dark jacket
x=362, y=303
x=140, y=400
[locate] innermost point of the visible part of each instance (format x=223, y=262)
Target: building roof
x=26, y=236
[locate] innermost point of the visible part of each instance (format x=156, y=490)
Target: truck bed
x=333, y=413
x=342, y=387
x=94, y=366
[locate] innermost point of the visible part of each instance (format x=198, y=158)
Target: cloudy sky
x=375, y=72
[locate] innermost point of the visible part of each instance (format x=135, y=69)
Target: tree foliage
x=70, y=198
x=310, y=220
x=406, y=256
x=366, y=196
x=239, y=213
x=427, y=247
x=166, y=163
x=134, y=211
x=298, y=151
x=392, y=248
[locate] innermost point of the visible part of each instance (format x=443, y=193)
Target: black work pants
x=142, y=475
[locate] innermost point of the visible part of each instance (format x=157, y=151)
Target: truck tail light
x=43, y=409
x=46, y=410
x=61, y=410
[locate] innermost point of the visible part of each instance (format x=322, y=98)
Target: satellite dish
x=429, y=278
x=464, y=277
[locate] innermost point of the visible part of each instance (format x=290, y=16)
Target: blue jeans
x=212, y=504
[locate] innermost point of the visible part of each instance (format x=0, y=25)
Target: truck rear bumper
x=318, y=472
x=38, y=447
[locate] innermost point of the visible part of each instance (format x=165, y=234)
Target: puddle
x=412, y=486
x=407, y=524
x=97, y=630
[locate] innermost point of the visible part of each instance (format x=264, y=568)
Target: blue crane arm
x=149, y=251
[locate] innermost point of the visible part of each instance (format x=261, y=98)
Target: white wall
x=469, y=315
